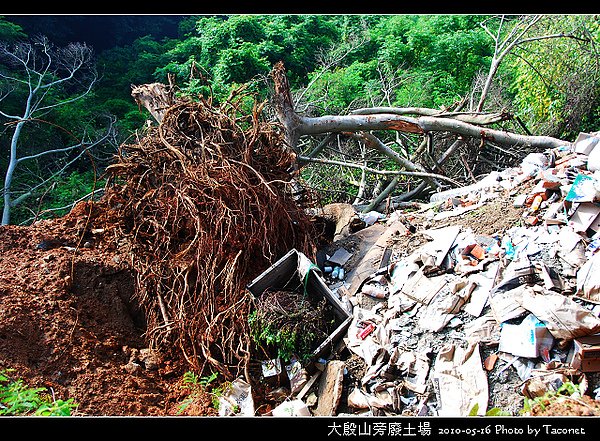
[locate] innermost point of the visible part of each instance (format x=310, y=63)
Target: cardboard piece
x=504, y=298
x=459, y=381
x=372, y=246
x=414, y=367
x=237, y=397
x=400, y=272
x=297, y=375
x=551, y=279
x=583, y=189
x=554, y=214
x=571, y=249
x=538, y=386
x=340, y=257
x=588, y=279
x=529, y=339
x=444, y=307
x=443, y=239
x=585, y=354
x=585, y=143
x=484, y=283
x=564, y=318
x=422, y=288
x=585, y=217
x=484, y=329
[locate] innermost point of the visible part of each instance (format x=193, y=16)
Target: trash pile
x=447, y=320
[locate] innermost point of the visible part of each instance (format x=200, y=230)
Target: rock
x=132, y=368
x=149, y=358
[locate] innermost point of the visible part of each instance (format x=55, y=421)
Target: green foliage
x=287, y=342
x=554, y=82
x=494, y=411
x=343, y=86
x=201, y=385
x=16, y=398
x=237, y=48
x=240, y=64
x=10, y=32
x=449, y=48
x=133, y=64
x=57, y=199
x=568, y=388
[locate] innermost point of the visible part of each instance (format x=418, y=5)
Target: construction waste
x=458, y=322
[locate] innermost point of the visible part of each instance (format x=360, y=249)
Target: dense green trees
x=335, y=64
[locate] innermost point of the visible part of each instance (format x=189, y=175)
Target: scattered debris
x=484, y=297
x=446, y=316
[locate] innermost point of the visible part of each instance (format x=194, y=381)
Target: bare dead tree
x=42, y=71
x=511, y=32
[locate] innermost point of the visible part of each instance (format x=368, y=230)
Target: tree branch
x=380, y=172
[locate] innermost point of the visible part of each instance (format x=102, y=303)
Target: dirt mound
x=567, y=406
x=66, y=320
x=113, y=303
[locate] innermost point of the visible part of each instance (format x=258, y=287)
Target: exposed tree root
x=207, y=201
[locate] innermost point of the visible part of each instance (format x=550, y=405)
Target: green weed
x=16, y=398
x=201, y=385
x=568, y=388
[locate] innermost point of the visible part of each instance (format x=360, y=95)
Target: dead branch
x=380, y=172
x=375, y=143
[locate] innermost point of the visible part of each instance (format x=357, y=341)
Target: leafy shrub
x=16, y=398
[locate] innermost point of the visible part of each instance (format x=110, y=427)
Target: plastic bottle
x=374, y=291
x=508, y=247
x=537, y=201
x=335, y=273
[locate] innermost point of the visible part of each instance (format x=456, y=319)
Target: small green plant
x=289, y=342
x=16, y=398
x=568, y=388
x=289, y=323
x=199, y=385
x=494, y=411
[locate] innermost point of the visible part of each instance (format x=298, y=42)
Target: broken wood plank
x=330, y=388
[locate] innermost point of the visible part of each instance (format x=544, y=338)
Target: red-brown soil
x=68, y=323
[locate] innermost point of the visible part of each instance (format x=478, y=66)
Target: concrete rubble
x=459, y=323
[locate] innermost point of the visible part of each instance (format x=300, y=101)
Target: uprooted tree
x=464, y=138
x=205, y=201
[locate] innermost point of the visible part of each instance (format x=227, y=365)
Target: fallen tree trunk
x=470, y=130
x=297, y=125
x=421, y=125
x=477, y=118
